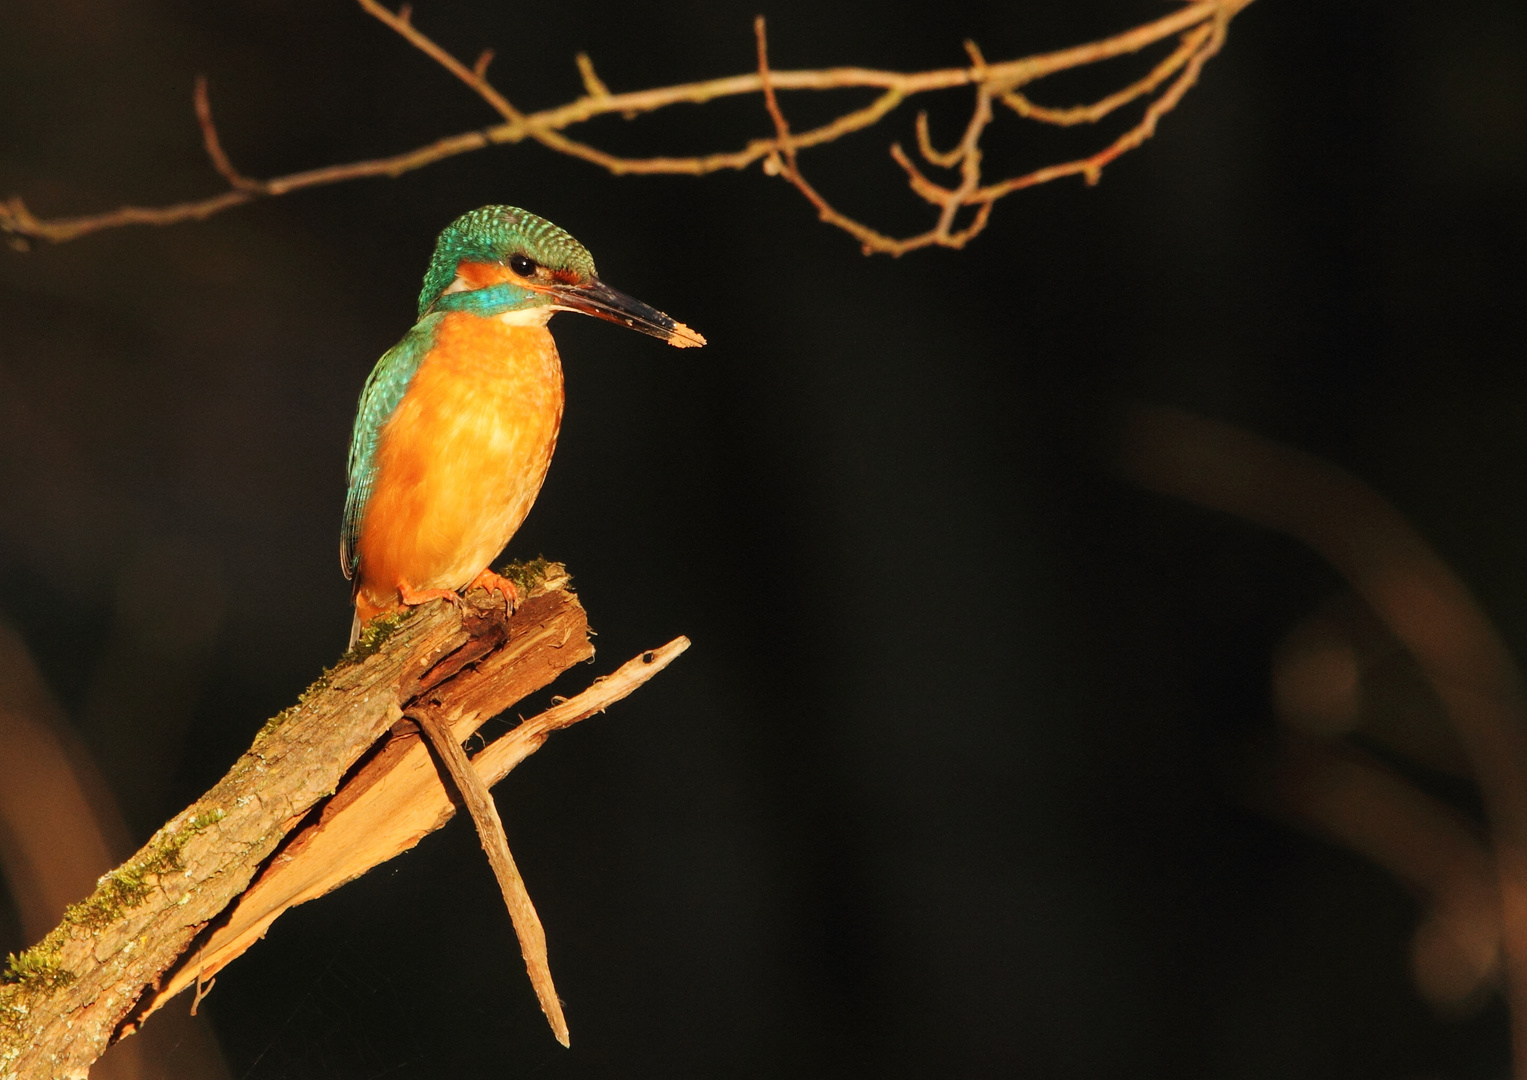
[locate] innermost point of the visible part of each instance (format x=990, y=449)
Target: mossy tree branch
x=299, y=814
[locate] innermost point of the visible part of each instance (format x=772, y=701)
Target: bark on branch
x=333, y=786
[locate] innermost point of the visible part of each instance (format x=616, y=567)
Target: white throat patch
x=536, y=316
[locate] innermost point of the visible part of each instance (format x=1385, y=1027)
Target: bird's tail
x=355, y=630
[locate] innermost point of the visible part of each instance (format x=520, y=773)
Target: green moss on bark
x=39, y=971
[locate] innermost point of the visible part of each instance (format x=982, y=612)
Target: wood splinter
x=490, y=830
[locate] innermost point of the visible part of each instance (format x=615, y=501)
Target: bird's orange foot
x=497, y=583
x=412, y=596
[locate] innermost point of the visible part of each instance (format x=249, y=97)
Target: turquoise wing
x=385, y=387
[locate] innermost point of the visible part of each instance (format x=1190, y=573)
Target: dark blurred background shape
x=956, y=780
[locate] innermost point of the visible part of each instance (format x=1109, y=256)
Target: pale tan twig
x=925, y=146
x=1091, y=168
x=592, y=85
x=490, y=830
x=1200, y=26
x=970, y=163
x=474, y=77
x=1192, y=42
x=202, y=990
x=499, y=758
x=782, y=158
x=214, y=146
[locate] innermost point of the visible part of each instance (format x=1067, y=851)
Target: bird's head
x=502, y=261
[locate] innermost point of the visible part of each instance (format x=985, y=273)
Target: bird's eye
x=523, y=265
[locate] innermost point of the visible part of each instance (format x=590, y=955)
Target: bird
x=458, y=421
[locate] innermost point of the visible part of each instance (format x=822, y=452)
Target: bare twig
x=474, y=77
x=593, y=86
x=1200, y=28
x=213, y=145
x=782, y=160
x=1193, y=43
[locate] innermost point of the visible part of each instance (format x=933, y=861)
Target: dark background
x=951, y=782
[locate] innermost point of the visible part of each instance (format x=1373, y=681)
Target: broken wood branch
x=331, y=787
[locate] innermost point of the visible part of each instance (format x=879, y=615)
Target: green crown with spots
x=493, y=234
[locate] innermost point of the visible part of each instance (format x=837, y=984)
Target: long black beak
x=594, y=297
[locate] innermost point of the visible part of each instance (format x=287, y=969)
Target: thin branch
x=592, y=85
x=925, y=146
x=214, y=145
x=1192, y=43
x=782, y=159
x=1091, y=168
x=1200, y=27
x=472, y=77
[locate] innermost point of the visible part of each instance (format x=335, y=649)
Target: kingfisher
x=458, y=421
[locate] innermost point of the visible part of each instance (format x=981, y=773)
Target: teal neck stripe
x=488, y=302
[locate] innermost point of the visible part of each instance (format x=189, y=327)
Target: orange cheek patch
x=482, y=275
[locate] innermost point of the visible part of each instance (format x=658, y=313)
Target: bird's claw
x=500, y=584
x=412, y=597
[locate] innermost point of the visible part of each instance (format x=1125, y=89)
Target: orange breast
x=461, y=460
